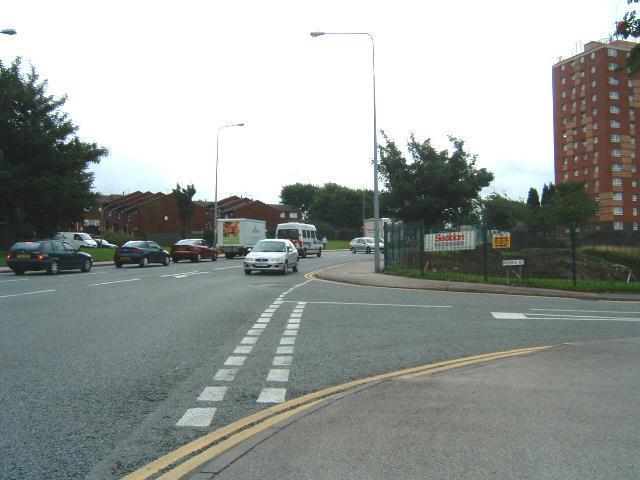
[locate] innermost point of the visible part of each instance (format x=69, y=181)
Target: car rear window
x=135, y=243
x=288, y=233
x=29, y=246
x=188, y=242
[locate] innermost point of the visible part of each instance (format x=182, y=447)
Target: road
x=106, y=371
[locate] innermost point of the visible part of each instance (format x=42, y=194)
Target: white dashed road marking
x=213, y=394
x=278, y=375
x=280, y=361
x=272, y=395
x=197, y=417
x=235, y=361
x=26, y=293
x=225, y=374
x=244, y=349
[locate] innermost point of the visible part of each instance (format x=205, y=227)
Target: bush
x=118, y=238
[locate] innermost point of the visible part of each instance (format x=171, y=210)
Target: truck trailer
x=237, y=236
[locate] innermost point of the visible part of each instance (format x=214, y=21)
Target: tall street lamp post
x=376, y=198
x=215, y=205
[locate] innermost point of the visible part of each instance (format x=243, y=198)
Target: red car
x=194, y=249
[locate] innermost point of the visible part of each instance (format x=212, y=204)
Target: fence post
x=573, y=252
x=486, y=251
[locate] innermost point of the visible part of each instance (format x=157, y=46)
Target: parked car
x=51, y=255
x=365, y=244
x=77, y=239
x=272, y=255
x=102, y=243
x=194, y=249
x=142, y=253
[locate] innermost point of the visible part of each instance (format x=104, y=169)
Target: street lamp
x=215, y=206
x=376, y=198
x=8, y=31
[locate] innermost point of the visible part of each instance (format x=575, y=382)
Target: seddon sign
x=435, y=242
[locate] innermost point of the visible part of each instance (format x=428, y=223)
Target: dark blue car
x=48, y=254
x=142, y=253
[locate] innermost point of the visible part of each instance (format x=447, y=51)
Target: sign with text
x=501, y=240
x=511, y=263
x=437, y=242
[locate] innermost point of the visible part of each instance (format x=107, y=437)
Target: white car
x=365, y=244
x=272, y=256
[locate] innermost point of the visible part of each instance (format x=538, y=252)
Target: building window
x=573, y=104
x=563, y=81
x=596, y=169
x=594, y=111
x=576, y=173
x=596, y=185
x=592, y=55
x=616, y=182
x=574, y=131
x=583, y=115
x=564, y=107
x=617, y=196
x=630, y=82
x=565, y=162
x=634, y=197
x=565, y=175
x=595, y=139
x=612, y=108
x=633, y=139
x=613, y=66
x=593, y=69
x=562, y=68
x=583, y=87
x=619, y=226
x=632, y=112
x=635, y=226
x=293, y=215
x=595, y=156
x=616, y=167
x=575, y=158
x=615, y=123
x=615, y=137
x=575, y=145
x=618, y=211
x=584, y=157
x=634, y=168
x=583, y=101
x=584, y=129
x=634, y=183
x=594, y=97
x=614, y=95
x=614, y=81
x=632, y=98
x=564, y=121
x=563, y=94
x=632, y=126
x=581, y=59
x=564, y=147
x=585, y=172
x=593, y=83
x=633, y=154
x=612, y=52
x=635, y=212
x=616, y=152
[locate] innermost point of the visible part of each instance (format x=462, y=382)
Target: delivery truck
x=369, y=225
x=237, y=236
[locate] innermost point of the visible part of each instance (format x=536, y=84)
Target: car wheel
x=144, y=262
x=118, y=265
x=214, y=257
x=54, y=268
x=247, y=272
x=18, y=271
x=295, y=267
x=166, y=261
x=353, y=250
x=368, y=249
x=86, y=266
x=319, y=252
x=285, y=267
x=304, y=253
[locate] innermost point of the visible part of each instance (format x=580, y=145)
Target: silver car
x=365, y=244
x=277, y=255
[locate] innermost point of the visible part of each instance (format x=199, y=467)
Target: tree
x=186, y=207
x=503, y=213
x=571, y=204
x=629, y=26
x=300, y=196
x=547, y=193
x=44, y=173
x=337, y=205
x=533, y=201
x=435, y=187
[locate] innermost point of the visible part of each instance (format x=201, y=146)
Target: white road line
x=235, y=361
x=26, y=293
x=272, y=395
x=284, y=350
x=295, y=315
x=278, y=375
x=266, y=315
x=212, y=394
x=288, y=341
x=281, y=361
x=244, y=349
x=572, y=318
x=278, y=302
x=580, y=311
x=290, y=333
x=263, y=320
x=293, y=326
x=117, y=281
x=298, y=310
x=294, y=320
x=509, y=316
x=197, y=417
x=269, y=310
x=249, y=340
x=374, y=304
x=254, y=332
x=226, y=268
x=225, y=375
x=259, y=325
x=17, y=280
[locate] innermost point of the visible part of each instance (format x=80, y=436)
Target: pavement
x=567, y=411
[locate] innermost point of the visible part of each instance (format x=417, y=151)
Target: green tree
x=300, y=195
x=629, y=26
x=547, y=193
x=43, y=164
x=571, y=204
x=186, y=206
x=337, y=205
x=503, y=213
x=436, y=187
x=533, y=201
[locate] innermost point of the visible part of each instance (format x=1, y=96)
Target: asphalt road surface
x=103, y=372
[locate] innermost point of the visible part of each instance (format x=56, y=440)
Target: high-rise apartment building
x=596, y=107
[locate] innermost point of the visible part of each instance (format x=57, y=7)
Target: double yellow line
x=186, y=459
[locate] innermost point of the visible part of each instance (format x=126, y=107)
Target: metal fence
x=478, y=253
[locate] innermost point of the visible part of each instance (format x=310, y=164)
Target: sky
x=153, y=82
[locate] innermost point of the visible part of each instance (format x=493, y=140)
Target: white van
x=78, y=239
x=302, y=235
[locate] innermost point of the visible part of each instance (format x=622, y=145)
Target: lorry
x=369, y=225
x=237, y=236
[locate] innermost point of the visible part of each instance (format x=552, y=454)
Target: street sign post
x=514, y=263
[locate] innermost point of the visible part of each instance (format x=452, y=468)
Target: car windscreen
x=288, y=233
x=28, y=246
x=269, y=247
x=85, y=236
x=188, y=241
x=134, y=243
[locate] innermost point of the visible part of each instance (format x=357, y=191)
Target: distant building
x=595, y=111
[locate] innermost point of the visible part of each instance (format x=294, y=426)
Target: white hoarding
x=437, y=242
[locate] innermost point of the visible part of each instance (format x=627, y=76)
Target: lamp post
x=8, y=31
x=215, y=204
x=376, y=198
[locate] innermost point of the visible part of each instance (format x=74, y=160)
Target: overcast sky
x=153, y=80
